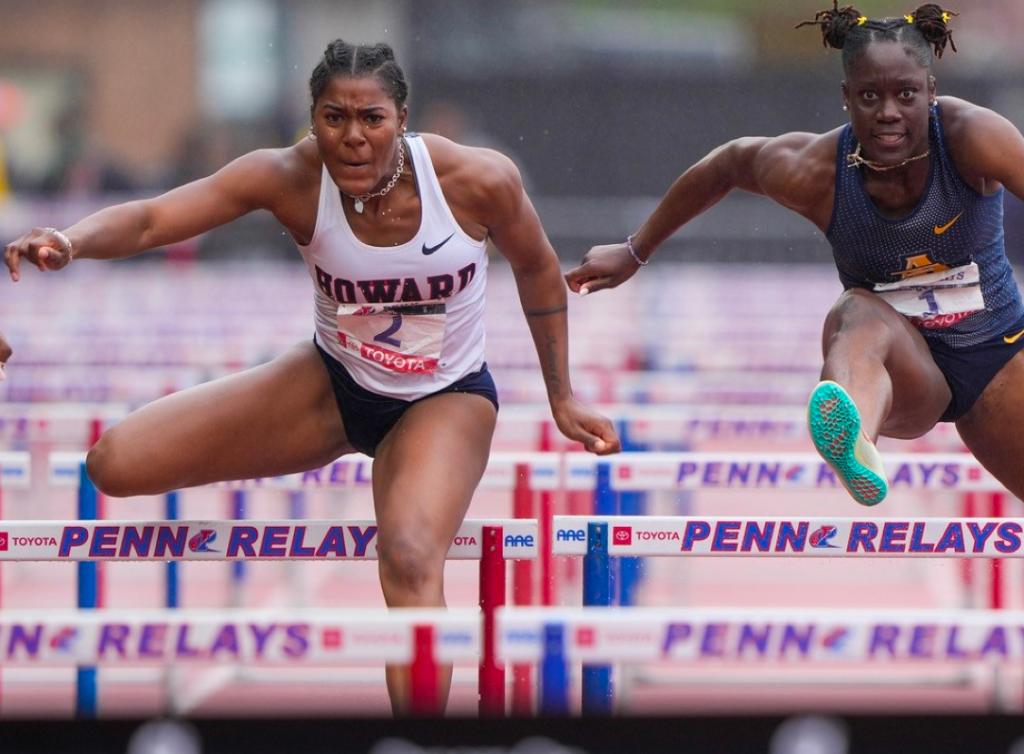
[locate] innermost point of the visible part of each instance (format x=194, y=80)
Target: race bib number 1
x=404, y=338
x=936, y=299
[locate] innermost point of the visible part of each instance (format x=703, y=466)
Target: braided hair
x=356, y=61
x=921, y=33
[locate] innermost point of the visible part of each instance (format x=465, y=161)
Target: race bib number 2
x=403, y=338
x=937, y=299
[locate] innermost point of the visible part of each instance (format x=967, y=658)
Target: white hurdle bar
x=70, y=637
x=208, y=540
x=348, y=472
x=793, y=536
x=557, y=637
x=959, y=472
x=422, y=639
x=953, y=472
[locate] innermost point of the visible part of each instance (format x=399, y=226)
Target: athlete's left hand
x=583, y=424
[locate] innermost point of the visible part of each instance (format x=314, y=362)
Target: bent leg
x=424, y=476
x=992, y=428
x=884, y=364
x=878, y=378
x=276, y=418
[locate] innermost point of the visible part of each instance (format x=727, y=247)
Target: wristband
x=637, y=259
x=64, y=240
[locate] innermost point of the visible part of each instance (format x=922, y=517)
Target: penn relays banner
x=599, y=634
x=238, y=636
x=682, y=536
x=235, y=540
x=771, y=471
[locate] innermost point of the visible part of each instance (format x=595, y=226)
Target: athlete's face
x=888, y=94
x=357, y=127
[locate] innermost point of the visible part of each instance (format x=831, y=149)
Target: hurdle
x=89, y=542
x=556, y=638
x=488, y=541
x=600, y=538
x=419, y=638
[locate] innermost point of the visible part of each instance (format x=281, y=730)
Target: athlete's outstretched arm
x=760, y=165
x=516, y=230
x=128, y=229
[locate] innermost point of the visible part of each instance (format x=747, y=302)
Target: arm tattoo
x=546, y=312
x=553, y=377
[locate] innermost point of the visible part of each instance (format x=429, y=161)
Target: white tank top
x=406, y=321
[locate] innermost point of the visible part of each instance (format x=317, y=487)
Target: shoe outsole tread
x=835, y=426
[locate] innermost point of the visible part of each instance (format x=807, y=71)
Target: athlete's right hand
x=603, y=267
x=43, y=247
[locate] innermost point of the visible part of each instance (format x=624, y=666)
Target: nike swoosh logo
x=1011, y=339
x=940, y=229
x=428, y=250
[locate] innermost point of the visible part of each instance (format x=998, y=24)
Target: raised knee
x=105, y=469
x=861, y=312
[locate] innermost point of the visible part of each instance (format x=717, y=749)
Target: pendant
x=358, y=206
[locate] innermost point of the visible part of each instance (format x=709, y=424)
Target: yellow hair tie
x=861, y=20
x=910, y=19
x=945, y=17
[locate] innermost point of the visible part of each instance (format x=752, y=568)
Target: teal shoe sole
x=835, y=426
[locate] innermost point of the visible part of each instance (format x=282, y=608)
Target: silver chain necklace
x=359, y=201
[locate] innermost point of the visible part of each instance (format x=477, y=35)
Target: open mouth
x=889, y=139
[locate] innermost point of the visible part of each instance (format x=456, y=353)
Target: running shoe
x=837, y=434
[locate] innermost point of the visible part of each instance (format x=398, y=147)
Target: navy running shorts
x=368, y=416
x=969, y=370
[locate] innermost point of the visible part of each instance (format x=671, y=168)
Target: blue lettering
x=298, y=548
x=113, y=636
x=334, y=541
x=1010, y=533
x=104, y=540
x=134, y=539
x=883, y=637
x=795, y=538
x=72, y=536
x=362, y=538
x=675, y=632
x=274, y=539
x=761, y=538
x=980, y=534
x=225, y=641
x=168, y=541
x=695, y=531
x=951, y=539
x=725, y=536
x=862, y=534
x=894, y=537
x=917, y=543
x=261, y=636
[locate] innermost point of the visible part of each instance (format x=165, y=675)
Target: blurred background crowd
x=601, y=103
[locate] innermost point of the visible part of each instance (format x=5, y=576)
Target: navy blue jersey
x=952, y=225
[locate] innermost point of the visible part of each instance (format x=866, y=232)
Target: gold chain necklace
x=855, y=160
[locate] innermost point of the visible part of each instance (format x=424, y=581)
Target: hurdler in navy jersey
x=951, y=226
x=930, y=324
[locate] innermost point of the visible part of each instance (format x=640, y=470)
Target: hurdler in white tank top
x=406, y=321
